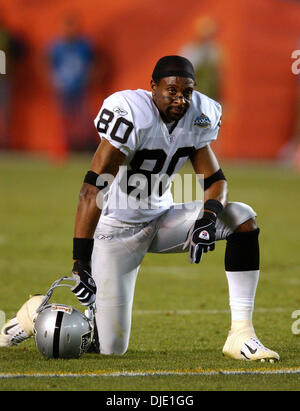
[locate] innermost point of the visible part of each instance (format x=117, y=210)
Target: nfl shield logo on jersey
x=202, y=121
x=171, y=139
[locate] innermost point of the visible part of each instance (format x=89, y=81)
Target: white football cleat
x=244, y=345
x=20, y=327
x=12, y=333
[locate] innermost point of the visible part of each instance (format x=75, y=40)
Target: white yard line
x=151, y=373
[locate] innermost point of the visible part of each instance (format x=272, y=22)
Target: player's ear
x=153, y=86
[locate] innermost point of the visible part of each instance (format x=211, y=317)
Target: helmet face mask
x=62, y=331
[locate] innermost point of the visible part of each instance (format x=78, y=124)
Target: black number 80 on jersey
x=121, y=125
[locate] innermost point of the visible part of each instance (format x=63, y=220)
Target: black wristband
x=91, y=178
x=95, y=180
x=82, y=248
x=213, y=205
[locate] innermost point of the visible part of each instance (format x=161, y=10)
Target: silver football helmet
x=62, y=331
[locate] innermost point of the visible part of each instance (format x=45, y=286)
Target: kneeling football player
x=146, y=137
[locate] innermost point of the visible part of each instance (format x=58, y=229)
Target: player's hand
x=85, y=288
x=201, y=237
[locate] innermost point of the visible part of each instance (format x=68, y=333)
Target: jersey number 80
x=126, y=126
x=121, y=124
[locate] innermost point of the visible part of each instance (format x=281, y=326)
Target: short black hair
x=173, y=66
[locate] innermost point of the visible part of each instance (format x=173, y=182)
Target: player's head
x=172, y=85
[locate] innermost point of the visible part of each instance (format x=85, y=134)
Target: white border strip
x=151, y=373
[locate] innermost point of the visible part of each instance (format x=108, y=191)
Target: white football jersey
x=154, y=151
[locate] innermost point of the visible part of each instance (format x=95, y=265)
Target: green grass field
x=181, y=316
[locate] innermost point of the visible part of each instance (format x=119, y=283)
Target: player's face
x=172, y=96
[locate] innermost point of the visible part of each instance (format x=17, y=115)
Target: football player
x=126, y=209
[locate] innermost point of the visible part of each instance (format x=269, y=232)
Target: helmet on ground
x=62, y=331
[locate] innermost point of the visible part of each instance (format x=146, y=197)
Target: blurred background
x=64, y=57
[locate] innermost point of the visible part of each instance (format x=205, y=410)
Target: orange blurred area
x=258, y=90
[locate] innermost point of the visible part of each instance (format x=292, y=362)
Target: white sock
x=242, y=288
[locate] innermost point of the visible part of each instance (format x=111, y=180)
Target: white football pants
x=119, y=249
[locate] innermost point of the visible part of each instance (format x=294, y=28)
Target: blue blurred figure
x=71, y=61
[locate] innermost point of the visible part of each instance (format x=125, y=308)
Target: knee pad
x=242, y=251
x=235, y=214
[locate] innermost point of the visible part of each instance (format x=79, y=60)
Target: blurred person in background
x=14, y=48
x=71, y=59
x=205, y=55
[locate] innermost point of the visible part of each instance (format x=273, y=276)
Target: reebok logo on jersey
x=120, y=111
x=204, y=235
x=104, y=237
x=202, y=121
